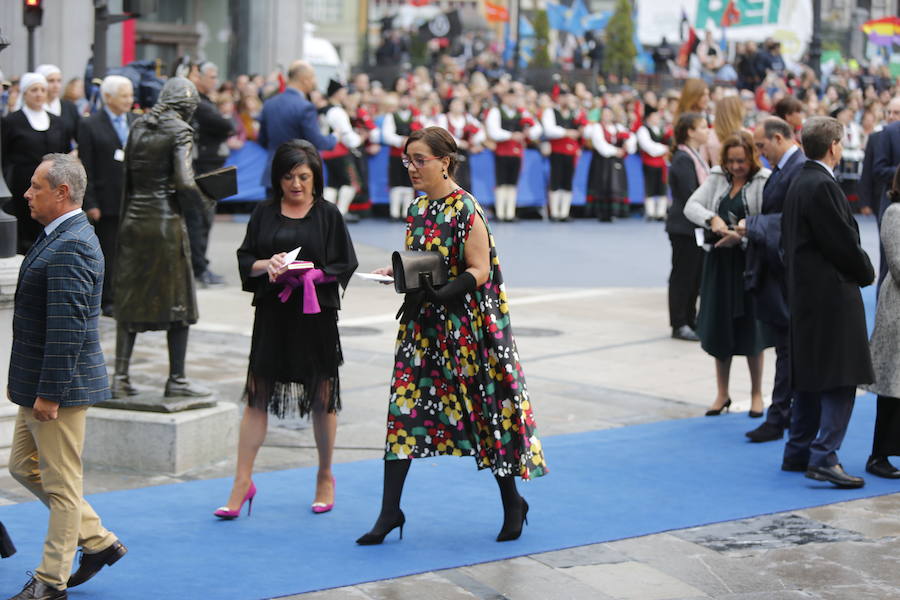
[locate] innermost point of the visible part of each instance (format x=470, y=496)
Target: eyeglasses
x=419, y=161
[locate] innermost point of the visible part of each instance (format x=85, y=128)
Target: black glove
x=454, y=291
x=410, y=307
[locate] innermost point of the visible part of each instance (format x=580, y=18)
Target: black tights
x=395, y=472
x=177, y=338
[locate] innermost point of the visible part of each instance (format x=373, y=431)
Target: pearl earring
x=446, y=176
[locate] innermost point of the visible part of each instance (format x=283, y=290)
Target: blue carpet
x=604, y=485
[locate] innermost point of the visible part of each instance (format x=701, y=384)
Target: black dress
x=727, y=325
x=295, y=356
x=23, y=148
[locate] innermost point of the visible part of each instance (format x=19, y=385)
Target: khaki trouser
x=46, y=459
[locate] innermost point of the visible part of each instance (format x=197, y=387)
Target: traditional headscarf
x=38, y=119
x=54, y=106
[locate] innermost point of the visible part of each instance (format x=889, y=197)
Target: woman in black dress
x=28, y=134
x=59, y=106
x=295, y=351
x=727, y=324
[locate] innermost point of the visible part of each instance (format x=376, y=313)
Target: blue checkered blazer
x=56, y=343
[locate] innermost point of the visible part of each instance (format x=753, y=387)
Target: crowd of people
x=754, y=186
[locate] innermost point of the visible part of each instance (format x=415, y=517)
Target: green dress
x=726, y=324
x=457, y=387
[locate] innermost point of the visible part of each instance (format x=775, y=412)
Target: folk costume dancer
x=607, y=181
x=509, y=125
x=396, y=128
x=651, y=140
x=370, y=134
x=342, y=177
x=469, y=135
x=563, y=126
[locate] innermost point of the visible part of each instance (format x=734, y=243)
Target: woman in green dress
x=457, y=387
x=726, y=324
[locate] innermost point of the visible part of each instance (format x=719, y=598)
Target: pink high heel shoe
x=321, y=507
x=225, y=513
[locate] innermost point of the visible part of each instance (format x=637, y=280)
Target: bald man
x=290, y=115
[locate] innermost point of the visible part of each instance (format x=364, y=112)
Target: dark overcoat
x=825, y=268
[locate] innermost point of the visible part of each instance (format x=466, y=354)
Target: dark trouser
x=886, y=441
x=198, y=219
x=818, y=424
x=107, y=229
x=779, y=413
x=684, y=280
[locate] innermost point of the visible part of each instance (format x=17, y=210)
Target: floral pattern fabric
x=458, y=388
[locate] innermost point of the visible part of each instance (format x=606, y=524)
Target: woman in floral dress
x=457, y=386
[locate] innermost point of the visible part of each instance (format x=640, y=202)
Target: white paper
x=119, y=155
x=292, y=255
x=375, y=277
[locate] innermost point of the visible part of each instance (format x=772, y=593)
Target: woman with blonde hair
x=729, y=120
x=694, y=97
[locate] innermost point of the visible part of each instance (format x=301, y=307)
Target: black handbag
x=411, y=267
x=7, y=548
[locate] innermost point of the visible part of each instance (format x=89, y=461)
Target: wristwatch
x=708, y=222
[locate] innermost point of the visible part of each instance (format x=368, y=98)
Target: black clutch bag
x=218, y=184
x=411, y=267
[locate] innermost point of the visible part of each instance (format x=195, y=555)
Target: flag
x=597, y=21
x=731, y=16
x=525, y=28
x=419, y=2
x=496, y=13
x=883, y=32
x=443, y=25
x=577, y=14
x=556, y=15
x=688, y=47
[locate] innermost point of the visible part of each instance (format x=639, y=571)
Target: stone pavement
x=593, y=339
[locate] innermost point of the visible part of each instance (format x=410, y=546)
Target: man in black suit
x=211, y=130
x=101, y=147
x=764, y=275
x=879, y=163
x=829, y=346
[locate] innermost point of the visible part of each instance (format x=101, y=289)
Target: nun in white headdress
x=56, y=104
x=28, y=134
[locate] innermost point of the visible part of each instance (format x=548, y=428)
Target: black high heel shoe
x=509, y=534
x=372, y=538
x=754, y=414
x=715, y=412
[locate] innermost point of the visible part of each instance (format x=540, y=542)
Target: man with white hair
x=101, y=147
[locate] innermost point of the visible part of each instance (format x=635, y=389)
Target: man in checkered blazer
x=56, y=371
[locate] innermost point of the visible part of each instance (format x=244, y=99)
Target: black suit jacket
x=212, y=130
x=869, y=189
x=826, y=266
x=71, y=119
x=683, y=182
x=97, y=145
x=764, y=274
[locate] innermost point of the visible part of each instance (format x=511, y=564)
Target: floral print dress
x=457, y=386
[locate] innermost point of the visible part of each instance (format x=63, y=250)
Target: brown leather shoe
x=90, y=564
x=38, y=590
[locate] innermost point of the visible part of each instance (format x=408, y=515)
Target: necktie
x=775, y=173
x=121, y=129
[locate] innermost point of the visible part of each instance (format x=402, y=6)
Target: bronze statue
x=154, y=284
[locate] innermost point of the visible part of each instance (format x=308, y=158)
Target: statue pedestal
x=9, y=275
x=161, y=441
